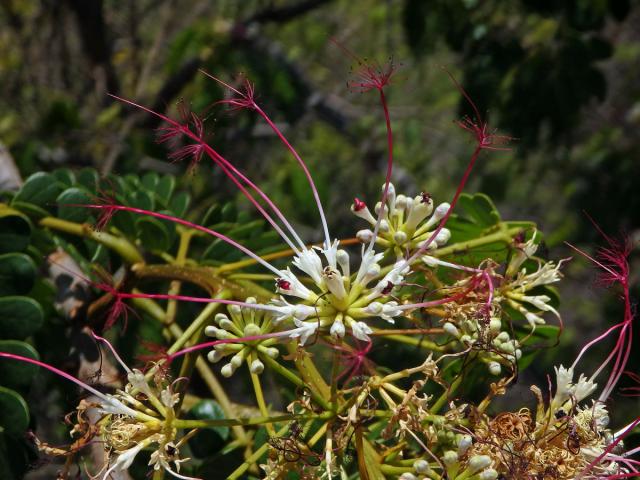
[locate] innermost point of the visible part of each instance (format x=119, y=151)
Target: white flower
x=583, y=388
x=369, y=259
x=385, y=311
x=337, y=329
x=564, y=379
x=284, y=310
x=394, y=277
x=304, y=331
x=361, y=331
x=310, y=263
x=295, y=286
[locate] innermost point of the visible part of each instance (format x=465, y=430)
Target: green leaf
x=150, y=181
x=155, y=234
x=164, y=188
x=14, y=373
x=479, y=209
x=14, y=413
x=33, y=211
x=65, y=176
x=39, y=189
x=15, y=230
x=17, y=274
x=74, y=196
x=88, y=178
x=140, y=199
x=208, y=441
x=19, y=317
x=179, y=204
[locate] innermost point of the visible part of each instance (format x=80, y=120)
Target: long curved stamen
x=113, y=351
x=621, y=361
x=186, y=298
x=227, y=169
x=283, y=139
x=305, y=169
x=618, y=438
x=71, y=378
x=387, y=179
x=219, y=158
x=186, y=223
x=213, y=343
x=454, y=201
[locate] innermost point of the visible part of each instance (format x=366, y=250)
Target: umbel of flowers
x=313, y=320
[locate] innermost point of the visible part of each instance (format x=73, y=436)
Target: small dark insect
x=573, y=440
x=283, y=284
x=425, y=197
x=387, y=290
x=560, y=414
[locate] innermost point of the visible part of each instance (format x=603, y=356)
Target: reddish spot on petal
x=358, y=204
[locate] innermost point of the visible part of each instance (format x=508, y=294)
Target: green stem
x=205, y=372
x=229, y=422
x=310, y=374
x=122, y=246
x=254, y=457
x=416, y=342
x=446, y=395
x=198, y=324
x=503, y=235
x=293, y=378
x=257, y=388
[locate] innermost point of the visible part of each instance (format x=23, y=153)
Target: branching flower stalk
x=316, y=318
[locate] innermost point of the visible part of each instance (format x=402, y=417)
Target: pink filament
x=219, y=159
x=186, y=223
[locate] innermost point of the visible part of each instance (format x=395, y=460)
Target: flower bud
x=503, y=337
x=337, y=329
x=441, y=211
x=364, y=236
x=271, y=352
x=251, y=330
x=421, y=467
x=401, y=202
x=450, y=458
x=479, y=462
x=227, y=370
x=488, y=474
x=451, y=329
x=225, y=323
x=236, y=360
x=257, y=367
x=443, y=236
x=210, y=331
x=464, y=443
x=377, y=210
x=214, y=356
x=342, y=258
x=407, y=476
x=495, y=325
x=495, y=368
x=400, y=237
x=219, y=317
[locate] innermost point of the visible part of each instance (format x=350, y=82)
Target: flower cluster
x=406, y=222
x=347, y=415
